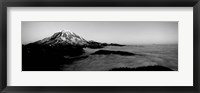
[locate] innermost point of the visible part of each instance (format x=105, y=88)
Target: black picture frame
x=97, y=3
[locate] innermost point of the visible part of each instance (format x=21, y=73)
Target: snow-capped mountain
x=68, y=38
x=64, y=38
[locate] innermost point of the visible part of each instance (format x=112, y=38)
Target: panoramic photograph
x=99, y=45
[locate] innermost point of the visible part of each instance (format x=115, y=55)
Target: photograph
x=79, y=46
x=99, y=45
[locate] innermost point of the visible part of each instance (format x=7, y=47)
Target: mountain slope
x=49, y=53
x=72, y=39
x=63, y=37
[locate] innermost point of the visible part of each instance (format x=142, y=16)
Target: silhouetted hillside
x=145, y=68
x=114, y=44
x=45, y=58
x=108, y=52
x=94, y=44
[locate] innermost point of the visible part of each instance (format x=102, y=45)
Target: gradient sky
x=122, y=32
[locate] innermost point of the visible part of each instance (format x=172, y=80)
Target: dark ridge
x=38, y=57
x=108, y=52
x=114, y=44
x=95, y=45
x=145, y=68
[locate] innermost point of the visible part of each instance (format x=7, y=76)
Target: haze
x=122, y=32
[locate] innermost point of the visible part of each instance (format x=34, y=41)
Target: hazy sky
x=123, y=32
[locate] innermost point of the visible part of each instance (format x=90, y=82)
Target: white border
x=183, y=77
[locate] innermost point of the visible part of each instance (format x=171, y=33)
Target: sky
x=122, y=32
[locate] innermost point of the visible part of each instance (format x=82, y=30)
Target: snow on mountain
x=63, y=37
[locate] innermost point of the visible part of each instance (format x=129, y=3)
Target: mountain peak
x=64, y=37
x=66, y=32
